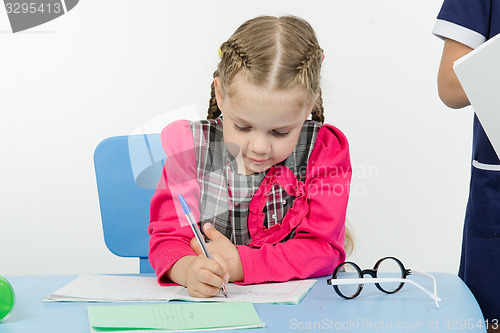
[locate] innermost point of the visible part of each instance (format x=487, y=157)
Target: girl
x=269, y=187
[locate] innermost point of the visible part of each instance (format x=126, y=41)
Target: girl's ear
x=219, y=94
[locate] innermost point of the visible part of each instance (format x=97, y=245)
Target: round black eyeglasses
x=388, y=274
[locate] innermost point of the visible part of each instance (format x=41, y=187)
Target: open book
x=121, y=288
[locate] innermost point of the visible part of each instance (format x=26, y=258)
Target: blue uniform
x=471, y=22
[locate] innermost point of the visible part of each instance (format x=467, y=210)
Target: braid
x=308, y=75
x=318, y=112
x=213, y=108
x=310, y=57
x=309, y=69
x=234, y=59
x=232, y=47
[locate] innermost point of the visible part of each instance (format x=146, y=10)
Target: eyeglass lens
x=389, y=268
x=348, y=271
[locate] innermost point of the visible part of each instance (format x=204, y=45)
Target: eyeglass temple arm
x=434, y=296
x=427, y=275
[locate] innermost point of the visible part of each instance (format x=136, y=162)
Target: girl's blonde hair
x=280, y=52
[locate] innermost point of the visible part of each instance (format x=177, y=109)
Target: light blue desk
x=321, y=310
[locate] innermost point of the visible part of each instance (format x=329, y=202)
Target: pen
x=197, y=234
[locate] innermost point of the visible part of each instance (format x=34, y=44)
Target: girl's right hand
x=202, y=277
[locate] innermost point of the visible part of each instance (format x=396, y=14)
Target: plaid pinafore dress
x=251, y=209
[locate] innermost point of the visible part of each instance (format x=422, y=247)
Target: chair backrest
x=120, y=163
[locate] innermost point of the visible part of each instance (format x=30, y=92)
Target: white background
x=108, y=66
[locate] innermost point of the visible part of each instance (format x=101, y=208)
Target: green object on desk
x=174, y=316
x=7, y=298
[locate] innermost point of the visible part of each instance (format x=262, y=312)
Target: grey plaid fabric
x=225, y=195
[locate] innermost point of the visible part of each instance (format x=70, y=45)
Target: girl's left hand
x=223, y=247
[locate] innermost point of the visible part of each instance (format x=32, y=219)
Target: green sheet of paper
x=174, y=316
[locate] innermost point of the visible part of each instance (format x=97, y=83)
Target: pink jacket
x=316, y=249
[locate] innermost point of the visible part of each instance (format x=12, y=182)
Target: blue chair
x=127, y=170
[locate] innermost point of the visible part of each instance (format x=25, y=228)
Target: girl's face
x=261, y=124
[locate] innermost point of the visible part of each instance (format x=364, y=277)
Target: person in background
x=464, y=25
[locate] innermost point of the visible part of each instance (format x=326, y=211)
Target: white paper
x=479, y=74
x=113, y=288
x=290, y=292
x=119, y=288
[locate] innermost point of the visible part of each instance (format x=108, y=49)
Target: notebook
x=479, y=74
x=122, y=288
x=177, y=317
